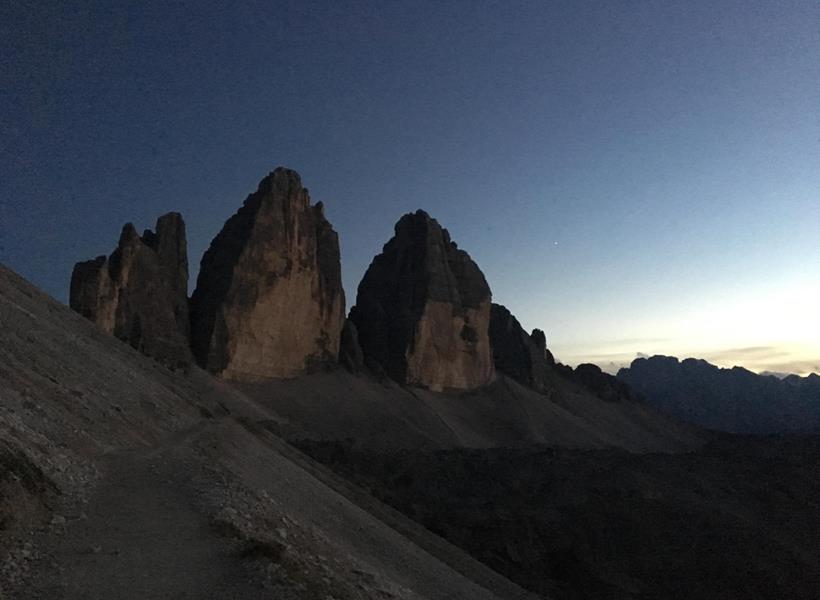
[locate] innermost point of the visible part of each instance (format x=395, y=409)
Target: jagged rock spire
x=269, y=300
x=423, y=308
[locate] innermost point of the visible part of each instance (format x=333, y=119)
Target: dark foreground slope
x=738, y=519
x=734, y=400
x=122, y=479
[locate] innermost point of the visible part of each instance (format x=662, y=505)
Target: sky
x=632, y=177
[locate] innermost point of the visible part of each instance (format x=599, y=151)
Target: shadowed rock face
x=516, y=353
x=605, y=386
x=139, y=293
x=525, y=358
x=269, y=299
x=350, y=352
x=423, y=310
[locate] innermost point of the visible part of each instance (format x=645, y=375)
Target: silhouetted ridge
x=735, y=400
x=519, y=355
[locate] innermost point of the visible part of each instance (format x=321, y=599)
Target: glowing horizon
x=778, y=331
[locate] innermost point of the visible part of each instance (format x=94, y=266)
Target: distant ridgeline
x=269, y=303
x=734, y=400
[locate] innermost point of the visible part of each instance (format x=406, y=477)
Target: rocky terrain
x=423, y=310
x=603, y=385
x=269, y=299
x=424, y=447
x=123, y=479
x=733, y=400
x=520, y=355
x=384, y=415
x=738, y=519
x=140, y=292
x=269, y=303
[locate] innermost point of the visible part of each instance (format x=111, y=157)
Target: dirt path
x=142, y=538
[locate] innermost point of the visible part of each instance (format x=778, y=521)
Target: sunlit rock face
x=139, y=293
x=519, y=355
x=423, y=310
x=269, y=299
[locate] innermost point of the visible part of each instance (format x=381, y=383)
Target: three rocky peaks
x=269, y=301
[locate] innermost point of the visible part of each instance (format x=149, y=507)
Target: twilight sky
x=631, y=177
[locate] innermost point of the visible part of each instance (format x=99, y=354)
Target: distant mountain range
x=734, y=400
x=778, y=374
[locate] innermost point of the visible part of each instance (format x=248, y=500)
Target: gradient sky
x=631, y=177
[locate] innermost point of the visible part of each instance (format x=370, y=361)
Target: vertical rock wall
x=423, y=310
x=519, y=355
x=139, y=292
x=269, y=300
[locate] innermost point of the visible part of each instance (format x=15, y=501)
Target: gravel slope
x=125, y=480
x=382, y=415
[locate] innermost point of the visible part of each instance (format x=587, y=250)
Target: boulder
x=269, y=300
x=423, y=310
x=139, y=293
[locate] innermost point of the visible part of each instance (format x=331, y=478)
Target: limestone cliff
x=269, y=299
x=139, y=293
x=423, y=310
x=519, y=355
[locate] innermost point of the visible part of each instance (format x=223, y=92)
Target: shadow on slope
x=383, y=415
x=738, y=519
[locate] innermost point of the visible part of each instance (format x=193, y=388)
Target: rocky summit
x=603, y=385
x=139, y=293
x=423, y=310
x=269, y=300
x=518, y=354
